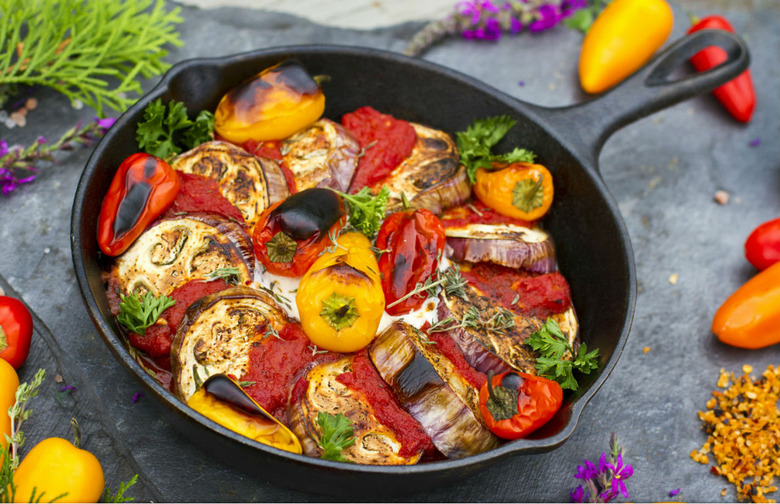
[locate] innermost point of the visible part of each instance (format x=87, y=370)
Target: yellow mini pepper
x=9, y=382
x=520, y=190
x=622, y=38
x=340, y=299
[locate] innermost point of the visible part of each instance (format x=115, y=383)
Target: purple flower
x=603, y=464
x=549, y=16
x=755, y=142
x=106, y=123
x=587, y=471
x=67, y=388
x=492, y=29
x=41, y=140
x=136, y=396
x=515, y=26
x=578, y=494
x=620, y=473
x=673, y=493
x=3, y=148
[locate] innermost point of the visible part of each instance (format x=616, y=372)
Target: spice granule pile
x=744, y=433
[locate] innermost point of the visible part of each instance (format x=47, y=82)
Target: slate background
x=663, y=170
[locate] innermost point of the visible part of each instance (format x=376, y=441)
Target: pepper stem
x=339, y=311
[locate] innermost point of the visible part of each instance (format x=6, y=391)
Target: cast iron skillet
x=594, y=251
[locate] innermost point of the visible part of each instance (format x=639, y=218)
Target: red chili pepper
x=516, y=404
x=142, y=188
x=762, y=247
x=414, y=240
x=16, y=329
x=737, y=95
x=292, y=233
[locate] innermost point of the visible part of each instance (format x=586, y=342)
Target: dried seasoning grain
x=744, y=433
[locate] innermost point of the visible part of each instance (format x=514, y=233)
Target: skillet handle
x=647, y=91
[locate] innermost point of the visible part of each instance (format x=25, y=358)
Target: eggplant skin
x=218, y=333
x=323, y=155
x=250, y=183
x=430, y=390
x=174, y=251
x=487, y=349
x=431, y=177
x=374, y=443
x=505, y=244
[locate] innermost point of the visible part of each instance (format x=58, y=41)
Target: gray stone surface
x=663, y=171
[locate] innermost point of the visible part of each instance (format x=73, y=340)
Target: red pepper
x=142, y=188
x=413, y=240
x=16, y=329
x=516, y=404
x=292, y=233
x=737, y=95
x=762, y=247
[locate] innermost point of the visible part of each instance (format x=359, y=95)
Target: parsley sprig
x=337, y=434
x=366, y=211
x=552, y=344
x=166, y=130
x=475, y=143
x=136, y=314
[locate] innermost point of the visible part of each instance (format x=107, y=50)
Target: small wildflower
x=586, y=472
x=578, y=494
x=755, y=142
x=67, y=388
x=136, y=397
x=603, y=481
x=673, y=493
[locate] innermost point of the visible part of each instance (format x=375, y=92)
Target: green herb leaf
x=136, y=314
x=337, y=434
x=475, y=143
x=201, y=130
x=230, y=274
x=366, y=212
x=162, y=126
x=552, y=344
x=120, y=494
x=580, y=20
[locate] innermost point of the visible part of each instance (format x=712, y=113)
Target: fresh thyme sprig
x=19, y=413
x=230, y=274
x=450, y=280
x=91, y=51
x=120, y=493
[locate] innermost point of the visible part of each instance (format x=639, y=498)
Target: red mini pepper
x=16, y=329
x=412, y=242
x=516, y=404
x=737, y=95
x=143, y=187
x=762, y=247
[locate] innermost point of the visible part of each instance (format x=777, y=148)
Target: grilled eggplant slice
x=509, y=245
x=431, y=177
x=323, y=155
x=174, y=251
x=428, y=387
x=375, y=443
x=250, y=183
x=492, y=337
x=217, y=334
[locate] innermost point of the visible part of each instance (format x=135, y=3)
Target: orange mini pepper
x=520, y=190
x=750, y=318
x=9, y=382
x=622, y=38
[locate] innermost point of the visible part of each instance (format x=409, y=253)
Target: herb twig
x=120, y=493
x=552, y=345
x=450, y=281
x=19, y=413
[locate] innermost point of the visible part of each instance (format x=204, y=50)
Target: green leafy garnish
x=366, y=212
x=337, y=434
x=583, y=18
x=120, y=494
x=229, y=273
x=475, y=143
x=136, y=314
x=165, y=130
x=552, y=344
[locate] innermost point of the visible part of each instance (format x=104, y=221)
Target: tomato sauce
x=385, y=140
x=477, y=212
x=540, y=295
x=447, y=347
x=201, y=194
x=365, y=378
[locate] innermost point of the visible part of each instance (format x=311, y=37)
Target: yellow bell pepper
x=224, y=401
x=340, y=299
x=56, y=469
x=622, y=38
x=9, y=382
x=272, y=105
x=520, y=190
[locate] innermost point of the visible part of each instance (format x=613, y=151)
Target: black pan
x=594, y=250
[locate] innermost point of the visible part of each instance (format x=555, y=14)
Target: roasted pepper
x=622, y=38
x=272, y=105
x=750, y=317
x=340, y=298
x=55, y=469
x=762, y=247
x=143, y=187
x=16, y=328
x=224, y=401
x=737, y=95
x=516, y=404
x=520, y=190
x=291, y=234
x=9, y=382
x=411, y=243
